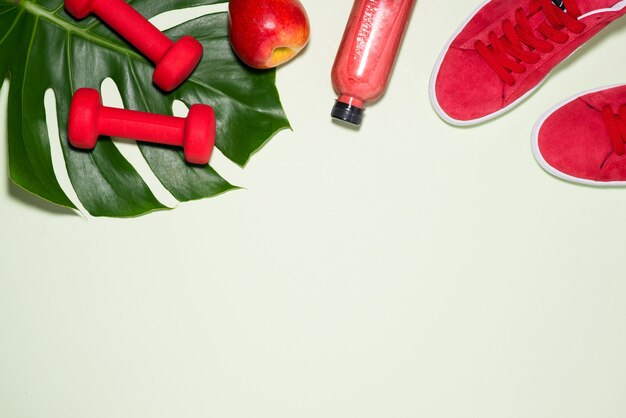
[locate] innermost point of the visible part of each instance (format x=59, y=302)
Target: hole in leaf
x=130, y=151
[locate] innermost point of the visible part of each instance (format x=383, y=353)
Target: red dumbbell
x=89, y=119
x=174, y=61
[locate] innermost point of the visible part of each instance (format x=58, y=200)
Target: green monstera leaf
x=43, y=48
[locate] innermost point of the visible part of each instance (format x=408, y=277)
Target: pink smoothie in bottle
x=368, y=50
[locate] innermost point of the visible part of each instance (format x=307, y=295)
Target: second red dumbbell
x=174, y=61
x=88, y=120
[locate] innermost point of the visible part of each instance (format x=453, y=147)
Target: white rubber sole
x=433, y=78
x=550, y=169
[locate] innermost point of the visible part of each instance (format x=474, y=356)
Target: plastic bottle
x=367, y=53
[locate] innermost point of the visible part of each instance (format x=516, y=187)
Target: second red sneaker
x=506, y=48
x=584, y=138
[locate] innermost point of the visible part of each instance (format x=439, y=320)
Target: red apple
x=267, y=33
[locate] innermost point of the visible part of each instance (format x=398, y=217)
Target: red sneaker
x=506, y=48
x=583, y=139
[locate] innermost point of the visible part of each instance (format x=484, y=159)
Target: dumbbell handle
x=167, y=130
x=135, y=28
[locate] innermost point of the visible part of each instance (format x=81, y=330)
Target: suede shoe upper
x=584, y=140
x=507, y=48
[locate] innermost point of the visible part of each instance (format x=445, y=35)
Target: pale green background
x=411, y=269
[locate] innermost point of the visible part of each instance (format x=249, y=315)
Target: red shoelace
x=616, y=126
x=550, y=31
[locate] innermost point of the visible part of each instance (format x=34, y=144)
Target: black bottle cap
x=347, y=113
